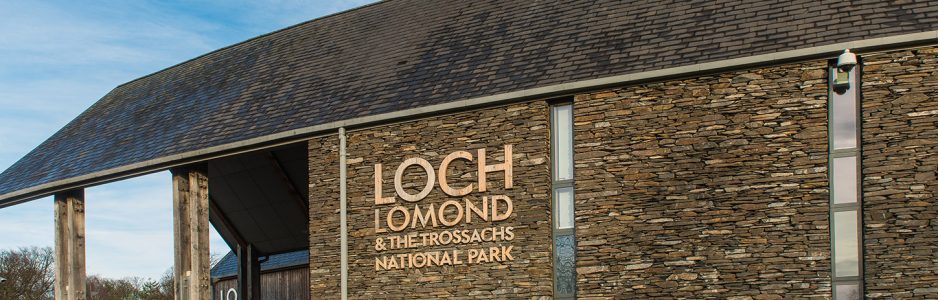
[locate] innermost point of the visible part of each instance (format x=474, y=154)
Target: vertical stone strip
x=324, y=237
x=343, y=211
x=70, y=245
x=900, y=174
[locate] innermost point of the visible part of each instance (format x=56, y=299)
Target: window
x=844, y=179
x=846, y=256
x=845, y=197
x=562, y=206
x=563, y=142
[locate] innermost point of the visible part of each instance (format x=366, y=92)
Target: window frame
x=857, y=206
x=556, y=185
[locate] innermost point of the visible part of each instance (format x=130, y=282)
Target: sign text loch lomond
x=404, y=221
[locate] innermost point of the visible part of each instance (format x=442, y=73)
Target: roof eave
x=557, y=90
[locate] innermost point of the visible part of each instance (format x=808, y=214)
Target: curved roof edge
x=292, y=136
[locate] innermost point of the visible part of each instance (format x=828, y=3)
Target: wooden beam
x=302, y=202
x=190, y=231
x=218, y=218
x=248, y=275
x=70, y=277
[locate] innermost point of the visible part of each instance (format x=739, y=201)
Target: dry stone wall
x=706, y=187
x=900, y=161
x=526, y=274
x=714, y=186
x=324, y=246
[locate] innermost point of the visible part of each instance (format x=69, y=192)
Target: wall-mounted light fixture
x=845, y=62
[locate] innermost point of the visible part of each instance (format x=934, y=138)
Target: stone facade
x=714, y=186
x=528, y=275
x=706, y=187
x=900, y=160
x=324, y=243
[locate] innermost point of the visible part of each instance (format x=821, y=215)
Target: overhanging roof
x=407, y=54
x=261, y=198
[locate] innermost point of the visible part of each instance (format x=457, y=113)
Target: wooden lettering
x=381, y=263
x=495, y=254
x=472, y=254
x=402, y=225
x=506, y=253
x=496, y=216
x=459, y=213
x=505, y=166
x=379, y=184
x=378, y=228
x=398, y=178
x=471, y=208
x=424, y=218
x=444, y=166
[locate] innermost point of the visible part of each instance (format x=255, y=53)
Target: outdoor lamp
x=845, y=62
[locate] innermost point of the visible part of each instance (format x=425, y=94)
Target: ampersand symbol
x=379, y=244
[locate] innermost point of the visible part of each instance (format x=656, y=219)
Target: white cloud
x=55, y=62
x=28, y=224
x=59, y=34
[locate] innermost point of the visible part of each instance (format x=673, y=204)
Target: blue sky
x=59, y=57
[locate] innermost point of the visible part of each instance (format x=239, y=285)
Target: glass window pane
x=847, y=292
x=846, y=248
x=845, y=179
x=844, y=115
x=563, y=142
x=564, y=207
x=564, y=265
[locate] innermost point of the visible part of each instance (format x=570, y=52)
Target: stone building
x=539, y=149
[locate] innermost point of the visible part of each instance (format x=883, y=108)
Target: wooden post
x=70, y=278
x=190, y=231
x=249, y=277
x=61, y=247
x=180, y=233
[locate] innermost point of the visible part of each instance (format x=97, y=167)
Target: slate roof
x=228, y=265
x=403, y=54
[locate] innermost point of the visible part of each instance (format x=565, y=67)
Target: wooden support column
x=190, y=231
x=70, y=278
x=249, y=273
